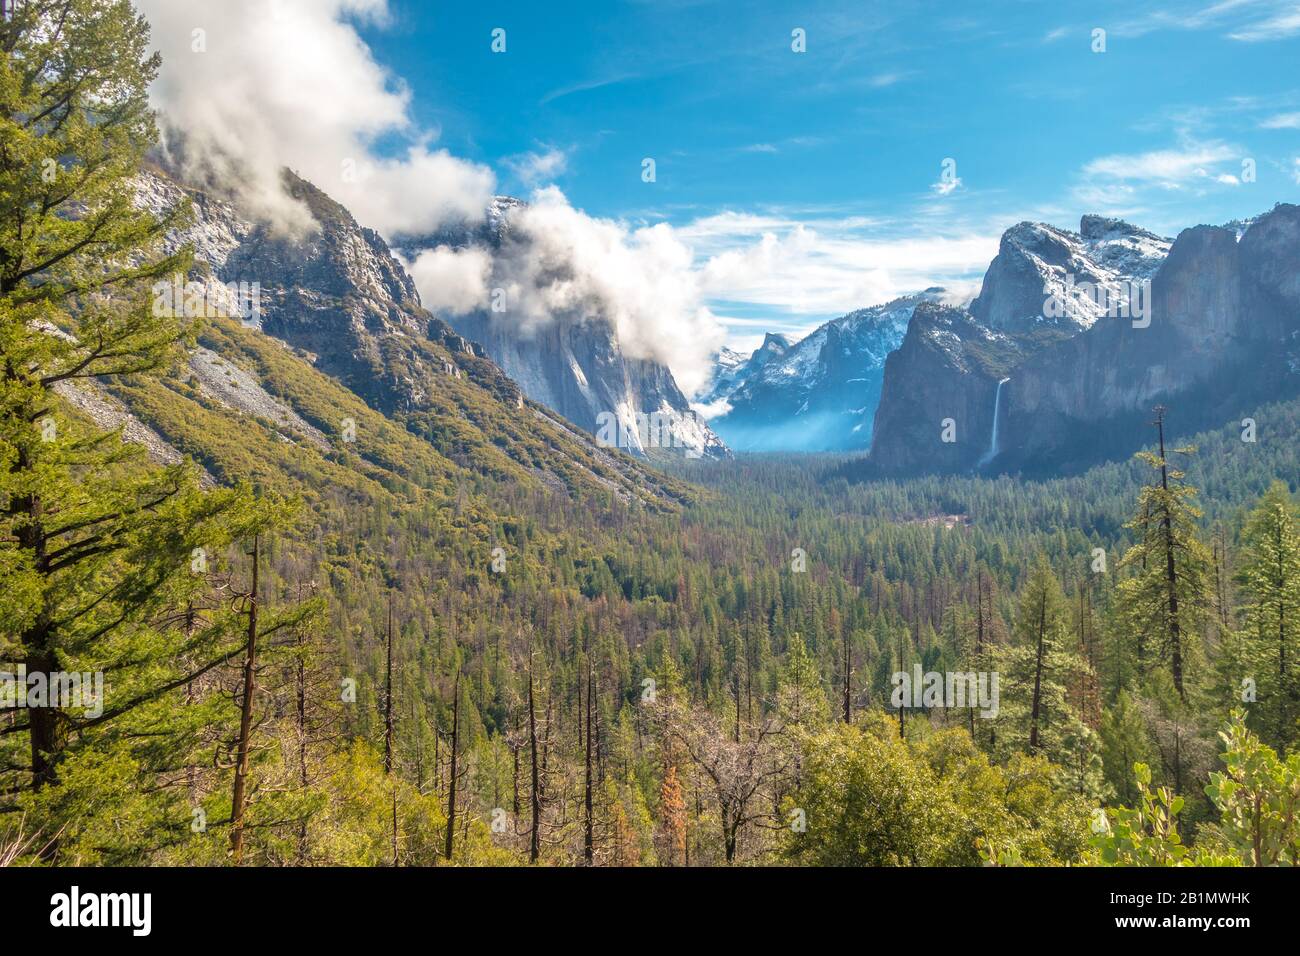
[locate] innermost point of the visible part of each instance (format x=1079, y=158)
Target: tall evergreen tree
x=1164, y=600
x=98, y=552
x=1038, y=670
x=1270, y=583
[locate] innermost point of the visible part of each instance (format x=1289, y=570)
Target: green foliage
x=1147, y=835
x=1124, y=743
x=614, y=575
x=874, y=800
x=1268, y=652
x=1258, y=799
x=1036, y=714
x=1162, y=603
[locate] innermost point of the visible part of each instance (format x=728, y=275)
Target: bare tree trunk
x=848, y=675
x=388, y=693
x=901, y=665
x=1171, y=574
x=534, y=839
x=245, y=718
x=514, y=774
x=302, y=736
x=455, y=746
x=388, y=726
x=588, y=838
x=1038, y=676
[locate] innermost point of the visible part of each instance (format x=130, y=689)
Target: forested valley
x=397, y=646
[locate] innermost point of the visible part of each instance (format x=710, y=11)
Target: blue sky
x=846, y=141
x=790, y=187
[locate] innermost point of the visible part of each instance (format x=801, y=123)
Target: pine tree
x=1270, y=582
x=96, y=550
x=1037, y=672
x=1123, y=743
x=1163, y=602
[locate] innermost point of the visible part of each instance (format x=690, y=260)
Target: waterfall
x=993, y=439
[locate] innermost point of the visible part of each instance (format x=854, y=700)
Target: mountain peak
x=1093, y=228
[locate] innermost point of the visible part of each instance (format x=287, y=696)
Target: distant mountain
x=821, y=393
x=733, y=369
x=1075, y=336
x=574, y=363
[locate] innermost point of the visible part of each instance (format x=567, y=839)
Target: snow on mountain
x=820, y=393
x=1221, y=309
x=731, y=369
x=1044, y=276
x=573, y=361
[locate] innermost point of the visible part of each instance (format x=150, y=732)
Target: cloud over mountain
x=248, y=87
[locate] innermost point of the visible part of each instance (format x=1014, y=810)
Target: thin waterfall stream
x=993, y=439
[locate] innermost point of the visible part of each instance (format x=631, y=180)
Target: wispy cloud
x=537, y=168
x=1282, y=121
x=1164, y=168
x=882, y=80
x=587, y=85
x=945, y=185
x=1285, y=23
x=1245, y=20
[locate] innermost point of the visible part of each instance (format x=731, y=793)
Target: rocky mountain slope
x=573, y=362
x=821, y=393
x=1037, y=262
x=1214, y=331
x=340, y=359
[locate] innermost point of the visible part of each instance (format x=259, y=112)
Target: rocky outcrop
x=339, y=302
x=936, y=410
x=574, y=363
x=1044, y=277
x=337, y=294
x=1220, y=333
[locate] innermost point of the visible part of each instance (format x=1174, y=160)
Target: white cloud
x=539, y=168
x=714, y=409
x=882, y=80
x=1282, y=121
x=557, y=264
x=1295, y=170
x=1285, y=23
x=826, y=267
x=291, y=83
x=1165, y=168
x=455, y=280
